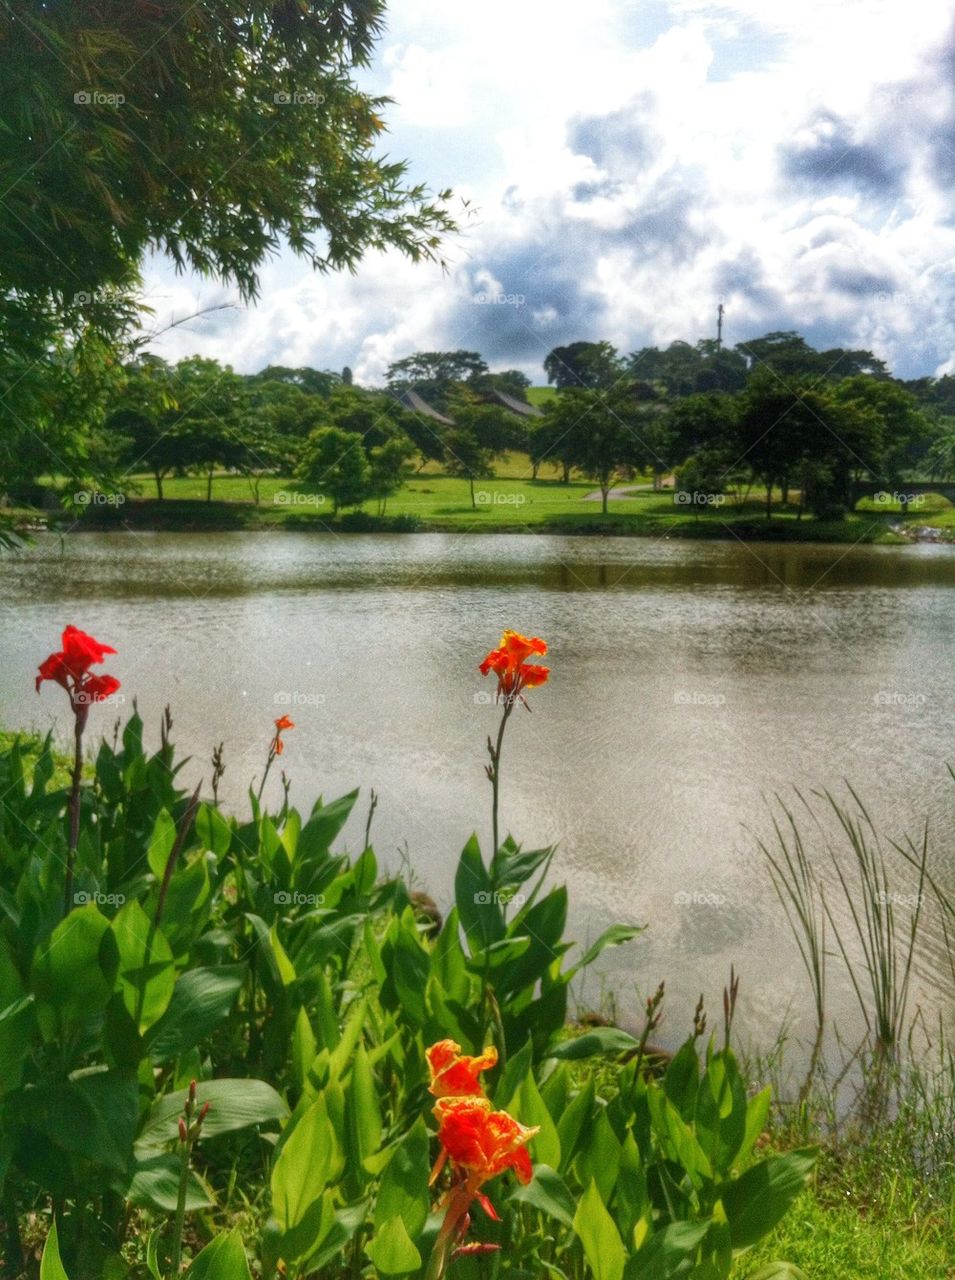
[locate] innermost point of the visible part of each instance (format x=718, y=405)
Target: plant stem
x=495, y=753
x=180, y=1212
x=74, y=811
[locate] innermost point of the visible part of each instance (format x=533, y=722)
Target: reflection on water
x=691, y=681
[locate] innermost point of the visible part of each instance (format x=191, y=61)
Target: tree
x=604, y=440
x=894, y=432
x=784, y=352
x=583, y=364
x=389, y=468
x=211, y=405
x=144, y=418
x=467, y=458
x=348, y=377
x=436, y=375
x=212, y=128
x=492, y=426
x=335, y=461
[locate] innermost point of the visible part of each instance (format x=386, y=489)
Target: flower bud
x=183, y=1131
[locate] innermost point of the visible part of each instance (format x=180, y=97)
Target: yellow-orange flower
x=509, y=663
x=481, y=1143
x=453, y=1074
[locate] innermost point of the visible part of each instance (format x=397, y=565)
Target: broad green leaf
x=577, y=1116
x=304, y=1048
x=233, y=1104
x=392, y=1250
x=547, y=1192
x=721, y=1112
x=76, y=968
x=678, y=1138
x=757, y=1111
x=51, y=1268
x=155, y=1185
x=661, y=1257
x=16, y=1029
x=213, y=830
x=222, y=1259
x=759, y=1198
x=528, y=1107
x=202, y=998
x=93, y=1114
x=681, y=1081
x=147, y=973
x=364, y=1115
x=310, y=1159
x=404, y=1184
x=603, y=1247
x=161, y=843
x=323, y=826
x=476, y=901
x=591, y=1043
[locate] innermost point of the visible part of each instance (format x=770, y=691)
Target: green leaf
x=721, y=1112
x=603, y=1247
x=392, y=1249
x=682, y=1079
x=16, y=1030
x=678, y=1137
x=600, y=1040
x=304, y=1048
x=161, y=843
x=759, y=1198
x=512, y=867
x=51, y=1268
x=528, y=1107
x=152, y=1253
x=404, y=1184
x=93, y=1114
x=364, y=1115
x=223, y=1259
x=612, y=937
x=213, y=830
x=155, y=1185
x=757, y=1110
x=202, y=998
x=234, y=1104
x=667, y=1252
x=548, y=1192
x=474, y=896
x=76, y=969
x=322, y=827
x=147, y=973
x=310, y=1159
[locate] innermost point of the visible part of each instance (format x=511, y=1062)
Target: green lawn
x=511, y=500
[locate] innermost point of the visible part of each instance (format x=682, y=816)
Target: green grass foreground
x=509, y=502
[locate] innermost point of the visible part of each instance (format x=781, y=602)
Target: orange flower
x=281, y=724
x=453, y=1074
x=508, y=662
x=481, y=1143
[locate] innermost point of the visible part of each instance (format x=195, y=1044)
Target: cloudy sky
x=631, y=163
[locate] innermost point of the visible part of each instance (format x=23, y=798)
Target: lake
x=690, y=682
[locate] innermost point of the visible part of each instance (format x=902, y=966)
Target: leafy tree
x=895, y=432
x=211, y=403
x=604, y=438
x=491, y=425
x=436, y=375
x=512, y=382
x=261, y=452
x=467, y=458
x=348, y=377
x=335, y=462
x=315, y=382
x=215, y=129
x=783, y=352
x=144, y=417
x=389, y=468
x=583, y=364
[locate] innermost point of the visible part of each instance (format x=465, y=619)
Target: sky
x=629, y=164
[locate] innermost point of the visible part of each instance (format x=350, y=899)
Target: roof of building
x=411, y=400
x=520, y=407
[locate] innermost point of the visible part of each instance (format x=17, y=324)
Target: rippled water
x=690, y=681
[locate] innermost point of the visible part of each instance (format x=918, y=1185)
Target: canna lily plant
x=476, y=1141
x=70, y=668
x=276, y=747
x=514, y=674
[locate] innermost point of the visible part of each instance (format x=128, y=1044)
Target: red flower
x=481, y=1143
x=281, y=724
x=508, y=662
x=70, y=668
x=454, y=1074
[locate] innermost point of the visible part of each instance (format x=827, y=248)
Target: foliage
x=298, y=988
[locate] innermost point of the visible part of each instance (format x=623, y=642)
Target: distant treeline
x=772, y=412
